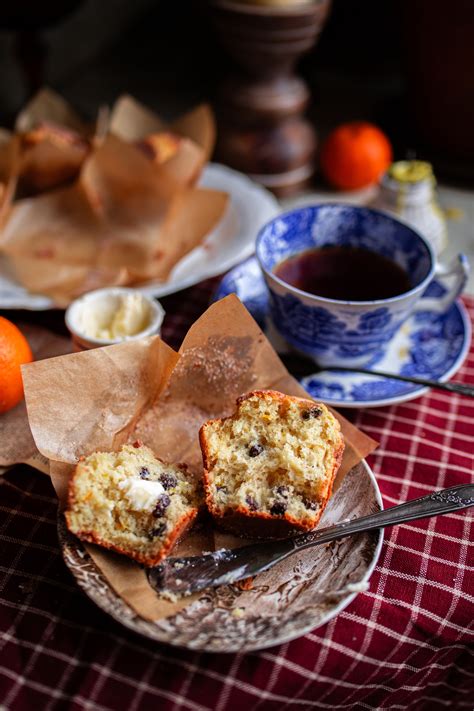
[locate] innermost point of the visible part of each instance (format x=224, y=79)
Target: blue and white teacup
x=351, y=333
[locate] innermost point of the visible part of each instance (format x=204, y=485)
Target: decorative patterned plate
x=251, y=206
x=294, y=597
x=428, y=345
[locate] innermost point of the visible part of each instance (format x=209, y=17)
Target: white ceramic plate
x=302, y=592
x=231, y=241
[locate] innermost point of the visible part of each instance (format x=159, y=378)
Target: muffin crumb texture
x=131, y=502
x=274, y=460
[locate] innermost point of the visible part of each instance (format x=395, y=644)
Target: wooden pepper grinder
x=260, y=108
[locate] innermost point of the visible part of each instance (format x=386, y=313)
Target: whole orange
x=14, y=351
x=355, y=155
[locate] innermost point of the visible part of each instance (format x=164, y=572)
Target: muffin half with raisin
x=269, y=468
x=131, y=502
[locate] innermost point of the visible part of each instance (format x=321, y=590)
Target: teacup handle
x=457, y=272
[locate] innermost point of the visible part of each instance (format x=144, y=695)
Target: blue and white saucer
x=428, y=345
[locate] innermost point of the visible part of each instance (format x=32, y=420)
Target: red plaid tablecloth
x=406, y=643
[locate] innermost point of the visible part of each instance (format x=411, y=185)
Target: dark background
x=407, y=65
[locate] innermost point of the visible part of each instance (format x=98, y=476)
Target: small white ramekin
x=81, y=341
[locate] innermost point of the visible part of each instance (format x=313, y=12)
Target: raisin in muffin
x=269, y=468
x=131, y=502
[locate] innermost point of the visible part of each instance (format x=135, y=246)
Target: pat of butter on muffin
x=141, y=494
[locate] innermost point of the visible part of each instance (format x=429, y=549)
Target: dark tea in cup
x=343, y=279
x=344, y=273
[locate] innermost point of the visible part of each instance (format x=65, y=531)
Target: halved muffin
x=131, y=502
x=269, y=468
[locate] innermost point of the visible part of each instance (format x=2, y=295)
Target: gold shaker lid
x=411, y=171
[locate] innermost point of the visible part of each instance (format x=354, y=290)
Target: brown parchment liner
x=101, y=398
x=48, y=105
x=16, y=442
x=83, y=207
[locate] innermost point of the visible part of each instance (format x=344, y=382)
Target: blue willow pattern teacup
x=351, y=333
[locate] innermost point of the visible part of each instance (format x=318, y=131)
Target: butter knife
x=183, y=576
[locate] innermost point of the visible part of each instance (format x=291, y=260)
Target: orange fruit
x=355, y=155
x=14, y=351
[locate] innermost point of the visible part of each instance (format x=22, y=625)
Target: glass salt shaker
x=407, y=190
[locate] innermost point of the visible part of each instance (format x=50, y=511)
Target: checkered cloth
x=403, y=644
